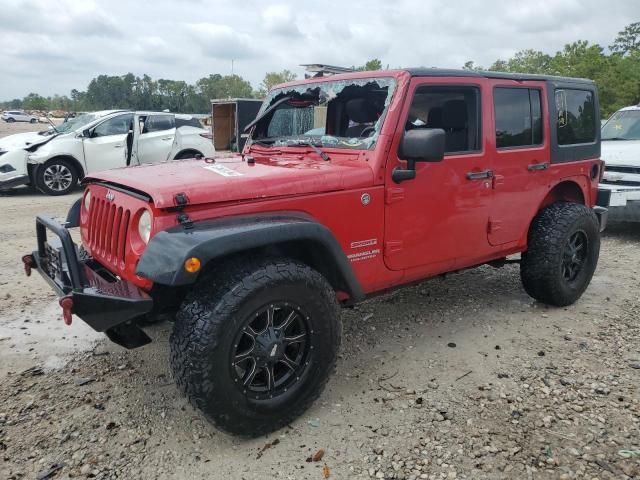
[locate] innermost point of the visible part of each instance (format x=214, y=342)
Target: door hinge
x=392, y=246
x=394, y=195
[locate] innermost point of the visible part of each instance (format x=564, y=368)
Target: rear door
x=521, y=157
x=105, y=149
x=439, y=219
x=156, y=139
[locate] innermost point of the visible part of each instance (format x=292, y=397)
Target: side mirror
x=419, y=145
x=86, y=133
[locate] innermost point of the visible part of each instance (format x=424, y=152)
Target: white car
x=18, y=116
x=54, y=160
x=620, y=187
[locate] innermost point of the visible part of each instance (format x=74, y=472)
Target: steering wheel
x=367, y=131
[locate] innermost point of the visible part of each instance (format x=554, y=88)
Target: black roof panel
x=443, y=72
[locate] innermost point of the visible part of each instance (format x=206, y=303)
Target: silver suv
x=18, y=116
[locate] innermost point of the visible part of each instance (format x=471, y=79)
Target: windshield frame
x=622, y=118
x=329, y=89
x=77, y=123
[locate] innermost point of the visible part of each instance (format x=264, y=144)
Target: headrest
x=454, y=114
x=361, y=110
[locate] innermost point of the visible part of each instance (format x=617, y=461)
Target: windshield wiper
x=307, y=143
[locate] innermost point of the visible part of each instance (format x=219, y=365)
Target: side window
x=119, y=125
x=158, y=123
x=518, y=113
x=454, y=109
x=188, y=122
x=576, y=116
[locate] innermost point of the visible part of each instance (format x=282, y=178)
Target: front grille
x=619, y=169
x=108, y=231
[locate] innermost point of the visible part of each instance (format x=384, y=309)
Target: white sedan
x=54, y=160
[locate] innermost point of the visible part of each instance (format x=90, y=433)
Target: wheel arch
x=214, y=242
x=70, y=158
x=190, y=151
x=565, y=191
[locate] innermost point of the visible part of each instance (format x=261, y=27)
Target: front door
x=106, y=147
x=438, y=220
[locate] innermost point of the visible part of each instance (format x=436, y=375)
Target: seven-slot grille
x=108, y=231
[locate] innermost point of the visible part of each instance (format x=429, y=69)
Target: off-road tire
x=41, y=184
x=542, y=268
x=209, y=320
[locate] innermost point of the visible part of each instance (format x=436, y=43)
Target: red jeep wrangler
x=349, y=185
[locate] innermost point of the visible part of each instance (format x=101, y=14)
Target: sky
x=52, y=46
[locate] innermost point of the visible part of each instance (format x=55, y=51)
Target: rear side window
x=518, y=114
x=158, y=123
x=576, y=116
x=188, y=122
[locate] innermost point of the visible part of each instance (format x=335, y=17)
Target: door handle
x=537, y=166
x=166, y=138
x=118, y=146
x=479, y=175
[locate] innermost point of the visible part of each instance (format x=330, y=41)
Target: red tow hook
x=67, y=309
x=29, y=263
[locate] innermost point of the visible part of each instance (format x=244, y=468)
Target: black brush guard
x=105, y=302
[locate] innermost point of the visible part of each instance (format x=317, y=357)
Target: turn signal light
x=192, y=264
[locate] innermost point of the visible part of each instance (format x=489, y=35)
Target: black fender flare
x=163, y=259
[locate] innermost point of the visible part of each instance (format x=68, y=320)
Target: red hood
x=231, y=179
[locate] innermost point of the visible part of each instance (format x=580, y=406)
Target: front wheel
x=33, y=120
x=254, y=345
x=56, y=177
x=562, y=254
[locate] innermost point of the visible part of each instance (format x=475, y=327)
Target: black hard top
x=442, y=72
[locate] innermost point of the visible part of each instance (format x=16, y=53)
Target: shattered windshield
x=76, y=123
x=336, y=114
x=623, y=125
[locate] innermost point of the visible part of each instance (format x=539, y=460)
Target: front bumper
x=105, y=302
x=621, y=201
x=13, y=181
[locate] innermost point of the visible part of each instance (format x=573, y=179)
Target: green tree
x=272, y=79
x=628, y=40
x=371, y=65
x=33, y=101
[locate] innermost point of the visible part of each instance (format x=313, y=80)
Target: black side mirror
x=86, y=133
x=419, y=145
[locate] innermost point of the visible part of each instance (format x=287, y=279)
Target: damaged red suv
x=349, y=185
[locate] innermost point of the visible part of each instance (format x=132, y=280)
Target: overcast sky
x=52, y=46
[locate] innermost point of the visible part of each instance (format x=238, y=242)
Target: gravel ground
x=462, y=377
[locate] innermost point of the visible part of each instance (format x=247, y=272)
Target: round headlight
x=87, y=200
x=144, y=226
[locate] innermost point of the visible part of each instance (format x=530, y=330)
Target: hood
x=232, y=179
x=22, y=140
x=621, y=152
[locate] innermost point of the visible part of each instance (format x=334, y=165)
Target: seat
x=455, y=124
x=362, y=112
x=434, y=119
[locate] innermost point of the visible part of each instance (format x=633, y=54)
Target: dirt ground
x=462, y=377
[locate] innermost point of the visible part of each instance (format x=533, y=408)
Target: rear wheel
x=562, y=254
x=11, y=120
x=253, y=347
x=56, y=177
